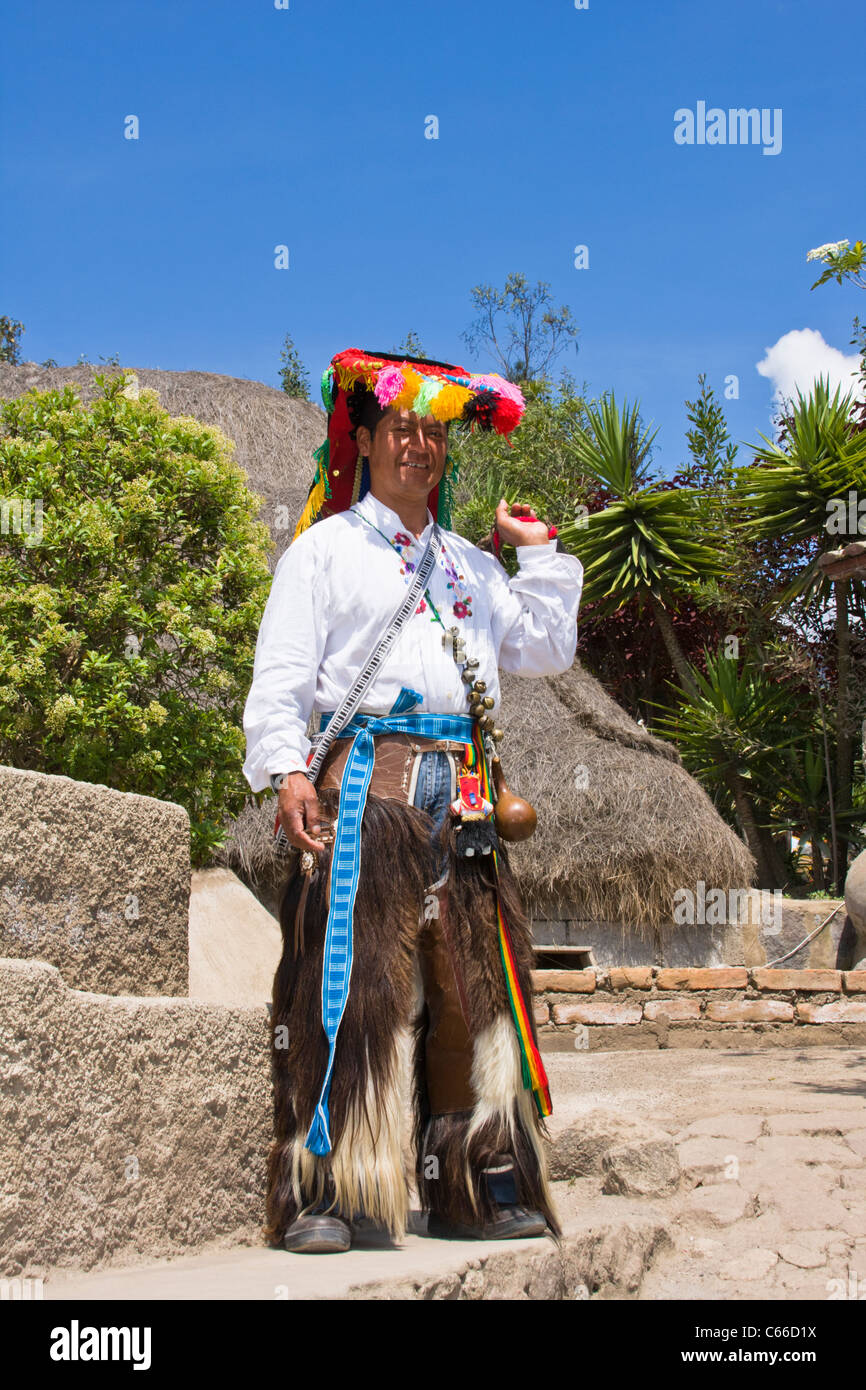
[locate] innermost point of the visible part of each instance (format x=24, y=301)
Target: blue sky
x=305, y=126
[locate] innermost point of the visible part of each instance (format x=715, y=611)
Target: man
x=403, y=997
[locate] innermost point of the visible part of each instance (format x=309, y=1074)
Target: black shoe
x=317, y=1235
x=509, y=1223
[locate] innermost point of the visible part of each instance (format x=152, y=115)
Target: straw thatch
x=274, y=435
x=621, y=824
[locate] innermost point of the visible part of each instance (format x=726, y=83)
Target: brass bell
x=497, y=735
x=477, y=710
x=472, y=662
x=488, y=702
x=486, y=722
x=466, y=677
x=481, y=686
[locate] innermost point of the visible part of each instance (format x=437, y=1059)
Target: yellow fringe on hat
x=347, y=376
x=312, y=508
x=450, y=402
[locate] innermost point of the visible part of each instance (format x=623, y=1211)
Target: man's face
x=407, y=455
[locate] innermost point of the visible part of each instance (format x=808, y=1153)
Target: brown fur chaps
x=426, y=1084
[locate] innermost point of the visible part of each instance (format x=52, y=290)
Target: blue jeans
x=433, y=793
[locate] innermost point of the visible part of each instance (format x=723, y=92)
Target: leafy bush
x=130, y=605
x=539, y=465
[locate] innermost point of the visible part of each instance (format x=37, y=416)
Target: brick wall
x=645, y=1007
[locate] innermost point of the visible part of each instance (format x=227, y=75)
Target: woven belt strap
x=346, y=866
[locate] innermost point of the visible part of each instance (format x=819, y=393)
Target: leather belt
x=395, y=758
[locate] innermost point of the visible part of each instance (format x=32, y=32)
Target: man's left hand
x=515, y=532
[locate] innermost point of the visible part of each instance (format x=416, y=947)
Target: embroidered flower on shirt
x=461, y=605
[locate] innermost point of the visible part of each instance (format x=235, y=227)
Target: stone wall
x=95, y=881
x=131, y=1126
x=645, y=1007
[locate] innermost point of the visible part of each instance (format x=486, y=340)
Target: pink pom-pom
x=502, y=387
x=389, y=384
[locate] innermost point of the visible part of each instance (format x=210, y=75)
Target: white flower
x=830, y=248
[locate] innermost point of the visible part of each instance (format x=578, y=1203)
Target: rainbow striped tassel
x=532, y=1068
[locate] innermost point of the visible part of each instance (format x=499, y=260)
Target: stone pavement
x=768, y=1201
x=772, y=1147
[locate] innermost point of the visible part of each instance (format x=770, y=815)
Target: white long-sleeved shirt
x=333, y=594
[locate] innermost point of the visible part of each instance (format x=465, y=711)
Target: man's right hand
x=300, y=812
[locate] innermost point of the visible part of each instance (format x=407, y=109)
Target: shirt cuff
x=528, y=554
x=285, y=765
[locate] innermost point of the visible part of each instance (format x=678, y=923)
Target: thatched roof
x=621, y=824
x=274, y=435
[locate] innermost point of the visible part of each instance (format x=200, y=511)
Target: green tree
x=411, y=346
x=711, y=448
x=129, y=615
x=521, y=327
x=795, y=491
x=294, y=377
x=10, y=340
x=841, y=262
x=539, y=465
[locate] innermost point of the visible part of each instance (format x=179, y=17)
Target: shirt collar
x=387, y=518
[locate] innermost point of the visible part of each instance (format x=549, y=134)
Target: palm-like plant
x=731, y=727
x=647, y=543
x=790, y=491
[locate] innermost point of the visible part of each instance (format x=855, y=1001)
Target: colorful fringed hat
x=440, y=389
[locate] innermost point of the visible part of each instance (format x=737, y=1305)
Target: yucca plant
x=731, y=727
x=647, y=544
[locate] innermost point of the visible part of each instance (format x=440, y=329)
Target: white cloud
x=800, y=356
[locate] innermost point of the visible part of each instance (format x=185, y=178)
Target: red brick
x=855, y=981
x=636, y=977
x=843, y=1011
x=674, y=1009
x=541, y=1010
x=564, y=981
x=597, y=1011
x=797, y=979
x=726, y=977
x=751, y=1011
